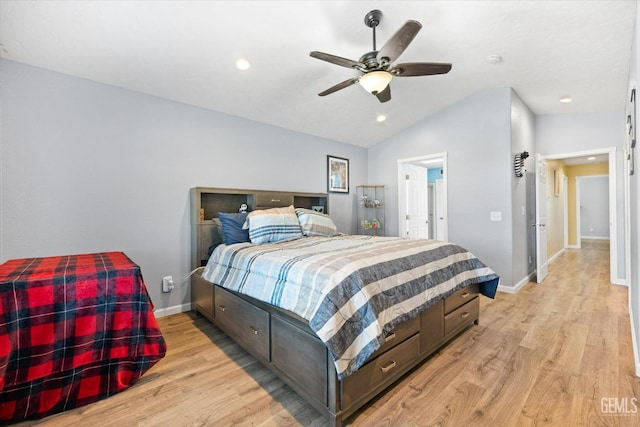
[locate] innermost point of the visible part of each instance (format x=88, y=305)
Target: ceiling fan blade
x=339, y=86
x=385, y=95
x=344, y=62
x=420, y=69
x=394, y=47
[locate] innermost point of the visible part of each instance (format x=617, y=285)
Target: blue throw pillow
x=232, y=227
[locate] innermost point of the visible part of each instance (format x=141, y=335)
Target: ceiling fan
x=376, y=67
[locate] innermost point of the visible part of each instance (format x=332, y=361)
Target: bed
x=73, y=330
x=339, y=318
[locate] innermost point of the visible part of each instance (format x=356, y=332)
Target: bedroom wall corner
x=89, y=167
x=475, y=133
x=522, y=195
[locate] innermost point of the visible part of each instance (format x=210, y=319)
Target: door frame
x=613, y=210
x=402, y=196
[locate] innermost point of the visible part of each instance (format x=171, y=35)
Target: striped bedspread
x=351, y=289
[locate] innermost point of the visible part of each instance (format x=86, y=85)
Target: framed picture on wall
x=337, y=175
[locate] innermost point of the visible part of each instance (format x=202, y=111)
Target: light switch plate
x=495, y=216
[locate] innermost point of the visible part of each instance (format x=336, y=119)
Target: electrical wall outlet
x=167, y=284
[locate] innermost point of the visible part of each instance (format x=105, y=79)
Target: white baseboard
x=162, y=312
x=518, y=286
x=572, y=247
x=619, y=281
x=634, y=340
x=555, y=257
x=594, y=238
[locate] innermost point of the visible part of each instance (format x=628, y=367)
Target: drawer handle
x=275, y=200
x=464, y=295
x=222, y=307
x=389, y=367
x=464, y=315
x=391, y=336
x=254, y=330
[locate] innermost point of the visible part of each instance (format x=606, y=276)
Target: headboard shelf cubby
x=206, y=202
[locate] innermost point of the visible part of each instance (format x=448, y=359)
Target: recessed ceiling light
x=242, y=64
x=566, y=99
x=591, y=158
x=494, y=59
x=381, y=118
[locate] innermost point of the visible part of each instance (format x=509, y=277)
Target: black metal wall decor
x=518, y=164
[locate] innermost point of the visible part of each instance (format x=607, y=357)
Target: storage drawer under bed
x=243, y=321
x=382, y=370
x=460, y=297
x=462, y=317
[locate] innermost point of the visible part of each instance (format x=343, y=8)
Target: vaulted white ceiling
x=186, y=51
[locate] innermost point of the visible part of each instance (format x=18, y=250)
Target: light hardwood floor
x=548, y=355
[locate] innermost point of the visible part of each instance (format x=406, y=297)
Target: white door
x=417, y=202
x=542, y=266
x=432, y=207
x=440, y=211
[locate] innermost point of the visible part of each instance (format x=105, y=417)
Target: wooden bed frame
x=283, y=341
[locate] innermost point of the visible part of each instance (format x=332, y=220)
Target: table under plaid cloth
x=73, y=330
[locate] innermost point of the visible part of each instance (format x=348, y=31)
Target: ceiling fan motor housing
x=370, y=60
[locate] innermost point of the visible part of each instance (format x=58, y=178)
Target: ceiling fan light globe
x=375, y=81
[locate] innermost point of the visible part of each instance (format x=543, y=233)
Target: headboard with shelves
x=206, y=202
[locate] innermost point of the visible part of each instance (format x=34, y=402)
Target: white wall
x=475, y=133
x=634, y=207
x=88, y=167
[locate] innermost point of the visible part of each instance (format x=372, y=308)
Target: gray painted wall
x=522, y=139
x=594, y=206
x=88, y=167
x=476, y=134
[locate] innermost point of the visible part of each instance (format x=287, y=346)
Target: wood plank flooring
x=551, y=355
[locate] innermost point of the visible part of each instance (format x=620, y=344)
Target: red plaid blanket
x=73, y=330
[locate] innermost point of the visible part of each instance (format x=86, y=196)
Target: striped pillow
x=273, y=225
x=315, y=223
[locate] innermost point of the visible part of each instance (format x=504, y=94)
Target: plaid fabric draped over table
x=73, y=330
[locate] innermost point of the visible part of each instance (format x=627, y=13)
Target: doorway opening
x=569, y=236
x=422, y=197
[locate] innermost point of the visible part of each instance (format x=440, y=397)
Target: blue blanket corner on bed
x=489, y=288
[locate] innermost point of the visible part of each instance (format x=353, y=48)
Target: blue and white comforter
x=351, y=289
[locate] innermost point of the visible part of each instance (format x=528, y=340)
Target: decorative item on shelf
x=201, y=214
x=318, y=208
x=373, y=224
x=370, y=209
x=518, y=164
x=370, y=203
x=243, y=208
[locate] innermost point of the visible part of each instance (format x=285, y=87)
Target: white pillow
x=315, y=223
x=273, y=225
